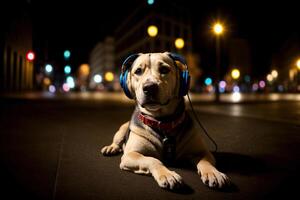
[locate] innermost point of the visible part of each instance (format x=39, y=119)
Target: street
x=50, y=149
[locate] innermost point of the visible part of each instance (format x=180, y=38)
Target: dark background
x=79, y=25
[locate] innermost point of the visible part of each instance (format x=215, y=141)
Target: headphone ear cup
x=123, y=83
x=184, y=83
x=124, y=73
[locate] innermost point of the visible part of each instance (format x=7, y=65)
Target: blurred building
x=171, y=22
x=102, y=59
x=284, y=61
x=239, y=56
x=16, y=72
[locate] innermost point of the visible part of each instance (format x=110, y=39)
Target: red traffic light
x=30, y=56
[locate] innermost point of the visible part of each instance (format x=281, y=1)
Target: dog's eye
x=138, y=71
x=164, y=70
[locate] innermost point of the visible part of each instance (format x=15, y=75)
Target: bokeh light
x=109, y=76
x=48, y=68
x=208, y=81
x=179, y=43
x=152, y=30
x=98, y=78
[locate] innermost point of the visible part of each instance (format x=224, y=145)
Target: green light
x=67, y=54
x=208, y=81
x=67, y=69
x=150, y=2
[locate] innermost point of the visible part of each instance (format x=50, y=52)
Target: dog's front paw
x=110, y=150
x=214, y=179
x=168, y=179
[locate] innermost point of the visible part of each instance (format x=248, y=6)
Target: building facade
x=171, y=23
x=16, y=40
x=102, y=59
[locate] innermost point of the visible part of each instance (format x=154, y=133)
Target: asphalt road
x=50, y=149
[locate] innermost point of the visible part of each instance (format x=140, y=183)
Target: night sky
x=78, y=26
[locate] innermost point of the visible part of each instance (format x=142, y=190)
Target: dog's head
x=157, y=81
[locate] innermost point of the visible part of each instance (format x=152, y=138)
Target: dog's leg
x=118, y=140
x=210, y=176
x=140, y=164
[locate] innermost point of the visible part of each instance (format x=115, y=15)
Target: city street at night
x=70, y=69
x=50, y=149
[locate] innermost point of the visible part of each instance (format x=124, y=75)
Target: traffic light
x=30, y=56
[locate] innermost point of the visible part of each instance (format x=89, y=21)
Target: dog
x=161, y=132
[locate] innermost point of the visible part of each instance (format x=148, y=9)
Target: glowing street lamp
x=152, y=30
x=298, y=64
x=84, y=70
x=150, y=2
x=48, y=68
x=235, y=74
x=67, y=69
x=179, y=43
x=270, y=77
x=67, y=54
x=98, y=78
x=109, y=76
x=218, y=29
x=274, y=73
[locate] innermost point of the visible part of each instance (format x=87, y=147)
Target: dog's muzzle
x=150, y=90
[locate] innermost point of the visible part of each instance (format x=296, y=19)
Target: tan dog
x=160, y=130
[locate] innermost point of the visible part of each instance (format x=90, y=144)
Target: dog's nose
x=150, y=89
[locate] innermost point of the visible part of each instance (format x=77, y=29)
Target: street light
x=235, y=74
x=67, y=69
x=150, y=2
x=179, y=43
x=48, y=68
x=152, y=30
x=218, y=29
x=67, y=54
x=298, y=64
x=109, y=76
x=274, y=73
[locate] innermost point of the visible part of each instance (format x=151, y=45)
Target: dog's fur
x=143, y=148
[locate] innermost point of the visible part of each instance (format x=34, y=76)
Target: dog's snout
x=150, y=89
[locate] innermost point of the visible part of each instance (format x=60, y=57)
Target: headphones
x=183, y=76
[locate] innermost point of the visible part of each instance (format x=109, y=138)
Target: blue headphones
x=184, y=74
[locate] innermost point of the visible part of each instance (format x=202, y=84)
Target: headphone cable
x=200, y=124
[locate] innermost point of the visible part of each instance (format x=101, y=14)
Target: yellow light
x=218, y=28
x=235, y=73
x=47, y=81
x=84, y=69
x=274, y=73
x=109, y=76
x=269, y=77
x=152, y=31
x=298, y=64
x=179, y=43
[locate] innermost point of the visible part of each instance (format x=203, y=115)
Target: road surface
x=50, y=149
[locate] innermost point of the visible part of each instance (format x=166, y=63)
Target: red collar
x=161, y=125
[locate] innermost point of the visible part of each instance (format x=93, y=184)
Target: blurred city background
x=232, y=48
